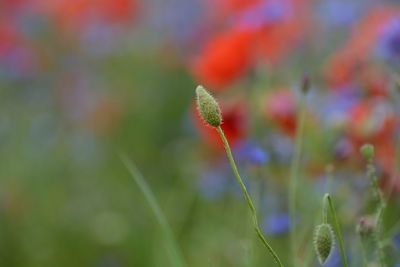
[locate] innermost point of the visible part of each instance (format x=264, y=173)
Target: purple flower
x=276, y=224
x=334, y=110
x=388, y=46
x=343, y=149
x=18, y=64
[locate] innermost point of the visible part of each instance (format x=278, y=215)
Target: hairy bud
x=368, y=151
x=323, y=242
x=208, y=107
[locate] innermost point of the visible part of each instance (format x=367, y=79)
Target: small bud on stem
x=323, y=242
x=365, y=226
x=368, y=152
x=208, y=107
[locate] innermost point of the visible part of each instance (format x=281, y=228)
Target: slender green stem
x=257, y=197
x=363, y=252
x=248, y=199
x=371, y=173
x=328, y=200
x=325, y=210
x=175, y=253
x=294, y=171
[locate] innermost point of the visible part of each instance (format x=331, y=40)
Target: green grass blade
x=172, y=246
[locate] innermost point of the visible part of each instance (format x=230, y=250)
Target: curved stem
x=175, y=253
x=328, y=200
x=295, y=166
x=248, y=199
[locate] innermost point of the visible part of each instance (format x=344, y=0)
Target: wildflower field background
x=85, y=84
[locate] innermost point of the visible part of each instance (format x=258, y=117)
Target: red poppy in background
x=373, y=121
x=234, y=125
x=9, y=38
x=280, y=109
x=73, y=15
x=374, y=81
x=265, y=29
x=9, y=6
x=224, y=59
x=343, y=67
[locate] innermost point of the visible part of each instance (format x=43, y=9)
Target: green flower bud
x=368, y=152
x=208, y=107
x=323, y=242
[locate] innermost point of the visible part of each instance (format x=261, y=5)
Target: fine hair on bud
x=323, y=242
x=208, y=107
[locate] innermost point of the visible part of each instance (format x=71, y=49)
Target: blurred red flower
x=345, y=65
x=374, y=81
x=224, y=59
x=9, y=38
x=234, y=125
x=371, y=120
x=374, y=121
x=280, y=109
x=266, y=29
x=73, y=15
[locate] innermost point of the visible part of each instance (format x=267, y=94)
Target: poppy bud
x=368, y=152
x=323, y=242
x=208, y=107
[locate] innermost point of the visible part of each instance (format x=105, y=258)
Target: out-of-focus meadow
x=82, y=81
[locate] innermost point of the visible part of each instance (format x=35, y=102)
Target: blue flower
x=266, y=13
x=249, y=152
x=276, y=224
x=396, y=241
x=334, y=259
x=339, y=13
